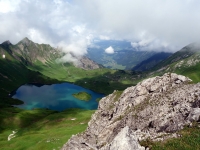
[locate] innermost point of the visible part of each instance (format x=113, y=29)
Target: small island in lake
x=82, y=96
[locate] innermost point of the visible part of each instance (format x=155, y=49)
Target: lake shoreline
x=44, y=96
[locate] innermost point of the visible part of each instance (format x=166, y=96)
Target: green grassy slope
x=13, y=74
x=182, y=54
x=102, y=80
x=185, y=62
x=39, y=128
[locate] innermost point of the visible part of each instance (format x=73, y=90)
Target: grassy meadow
x=40, y=128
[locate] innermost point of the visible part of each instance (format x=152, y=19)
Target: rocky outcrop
x=125, y=139
x=87, y=64
x=155, y=109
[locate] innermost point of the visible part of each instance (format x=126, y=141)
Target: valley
x=124, y=57
x=29, y=62
x=41, y=128
x=99, y=75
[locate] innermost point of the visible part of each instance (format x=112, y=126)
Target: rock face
x=126, y=140
x=30, y=52
x=155, y=108
x=87, y=64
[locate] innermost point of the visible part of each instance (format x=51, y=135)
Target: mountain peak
x=7, y=43
x=25, y=41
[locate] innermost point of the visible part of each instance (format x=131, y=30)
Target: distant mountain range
x=124, y=56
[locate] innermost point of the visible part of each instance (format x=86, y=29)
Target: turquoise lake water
x=56, y=97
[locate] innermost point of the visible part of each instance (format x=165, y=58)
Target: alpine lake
x=55, y=97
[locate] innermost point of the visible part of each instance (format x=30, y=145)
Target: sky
x=73, y=25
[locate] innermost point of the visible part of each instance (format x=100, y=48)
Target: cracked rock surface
x=155, y=108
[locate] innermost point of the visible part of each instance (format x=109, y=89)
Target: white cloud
x=173, y=22
x=68, y=57
x=110, y=50
x=53, y=22
x=103, y=37
x=8, y=5
x=149, y=25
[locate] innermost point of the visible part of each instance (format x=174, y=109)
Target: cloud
x=52, y=22
x=68, y=57
x=172, y=22
x=109, y=50
x=8, y=5
x=73, y=25
x=103, y=37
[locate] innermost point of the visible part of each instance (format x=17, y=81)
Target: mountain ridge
x=151, y=62
x=185, y=61
x=29, y=52
x=184, y=53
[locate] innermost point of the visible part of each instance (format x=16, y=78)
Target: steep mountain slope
x=13, y=73
x=31, y=53
x=152, y=61
x=184, y=53
x=155, y=109
x=185, y=62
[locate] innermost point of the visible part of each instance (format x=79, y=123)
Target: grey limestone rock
x=87, y=64
x=155, y=108
x=124, y=140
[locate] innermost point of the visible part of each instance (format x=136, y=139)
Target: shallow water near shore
x=56, y=97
